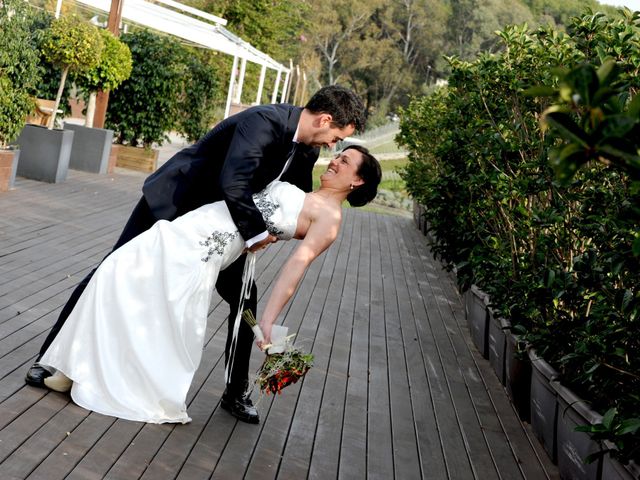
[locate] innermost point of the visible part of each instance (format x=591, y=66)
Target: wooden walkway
x=397, y=390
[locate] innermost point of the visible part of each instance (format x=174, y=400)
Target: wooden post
x=102, y=98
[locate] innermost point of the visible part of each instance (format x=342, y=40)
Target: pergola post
x=274, y=97
x=102, y=97
x=238, y=92
x=232, y=81
x=285, y=84
x=263, y=72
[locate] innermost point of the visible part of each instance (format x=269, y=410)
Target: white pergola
x=209, y=34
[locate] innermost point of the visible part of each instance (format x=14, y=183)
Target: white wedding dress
x=134, y=339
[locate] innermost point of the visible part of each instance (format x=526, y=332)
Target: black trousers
x=228, y=286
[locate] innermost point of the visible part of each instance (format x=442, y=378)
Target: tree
x=146, y=105
x=73, y=45
x=113, y=68
x=19, y=73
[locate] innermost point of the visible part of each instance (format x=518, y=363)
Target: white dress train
x=134, y=339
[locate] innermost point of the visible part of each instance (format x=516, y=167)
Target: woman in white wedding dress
x=134, y=340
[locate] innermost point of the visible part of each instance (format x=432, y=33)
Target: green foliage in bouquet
x=279, y=370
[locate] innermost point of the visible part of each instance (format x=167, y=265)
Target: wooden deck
x=397, y=390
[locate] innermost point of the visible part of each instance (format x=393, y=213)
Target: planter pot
x=417, y=215
x=91, y=148
x=44, y=153
x=614, y=470
x=137, y=158
x=574, y=447
x=477, y=318
x=8, y=168
x=497, y=344
x=518, y=376
x=544, y=406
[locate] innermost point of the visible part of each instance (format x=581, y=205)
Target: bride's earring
x=352, y=186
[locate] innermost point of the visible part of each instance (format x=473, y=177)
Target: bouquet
x=279, y=369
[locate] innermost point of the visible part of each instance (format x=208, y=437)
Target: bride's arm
x=320, y=235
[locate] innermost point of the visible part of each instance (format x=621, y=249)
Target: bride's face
x=342, y=170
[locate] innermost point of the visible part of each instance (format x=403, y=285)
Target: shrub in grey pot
x=544, y=406
x=574, y=447
x=518, y=375
x=477, y=318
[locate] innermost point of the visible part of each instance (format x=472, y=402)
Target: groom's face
x=326, y=134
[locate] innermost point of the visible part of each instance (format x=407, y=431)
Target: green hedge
x=556, y=257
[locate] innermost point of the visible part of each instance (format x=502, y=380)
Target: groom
x=238, y=157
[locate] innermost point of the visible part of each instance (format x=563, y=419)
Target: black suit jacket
x=238, y=157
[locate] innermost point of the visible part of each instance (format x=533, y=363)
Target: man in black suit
x=237, y=158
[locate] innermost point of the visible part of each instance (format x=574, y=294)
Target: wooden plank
x=380, y=447
x=412, y=314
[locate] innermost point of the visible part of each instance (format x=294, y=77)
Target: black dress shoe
x=36, y=375
x=240, y=406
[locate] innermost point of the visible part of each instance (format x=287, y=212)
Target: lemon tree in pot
x=73, y=45
x=92, y=146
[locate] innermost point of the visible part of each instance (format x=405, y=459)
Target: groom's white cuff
x=256, y=239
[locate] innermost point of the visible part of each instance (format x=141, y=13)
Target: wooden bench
x=43, y=112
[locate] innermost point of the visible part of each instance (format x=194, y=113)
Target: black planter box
x=478, y=318
x=544, y=405
x=518, y=376
x=497, y=344
x=574, y=447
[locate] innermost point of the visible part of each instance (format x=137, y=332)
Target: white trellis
x=209, y=35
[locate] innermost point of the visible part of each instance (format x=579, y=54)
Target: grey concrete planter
x=477, y=318
x=614, y=470
x=497, y=344
x=544, y=406
x=574, y=447
x=91, y=148
x=44, y=153
x=518, y=376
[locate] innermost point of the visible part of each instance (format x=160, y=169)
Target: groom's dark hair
x=342, y=104
x=370, y=173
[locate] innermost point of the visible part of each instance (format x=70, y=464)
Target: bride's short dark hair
x=371, y=173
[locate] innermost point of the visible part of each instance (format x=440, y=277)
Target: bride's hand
x=266, y=332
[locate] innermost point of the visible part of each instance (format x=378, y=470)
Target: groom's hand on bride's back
x=261, y=244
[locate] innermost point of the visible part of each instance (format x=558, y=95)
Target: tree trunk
x=52, y=120
x=91, y=110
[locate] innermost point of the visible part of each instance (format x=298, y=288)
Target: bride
x=134, y=340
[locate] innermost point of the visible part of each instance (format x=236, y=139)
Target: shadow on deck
x=397, y=390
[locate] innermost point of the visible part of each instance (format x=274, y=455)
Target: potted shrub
x=146, y=105
x=73, y=45
x=92, y=146
x=19, y=76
